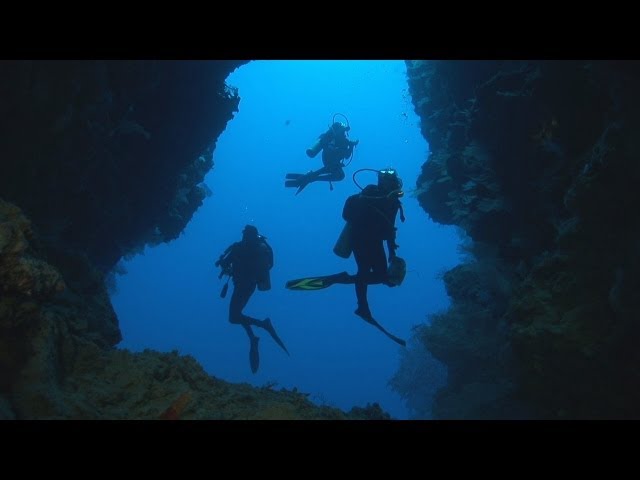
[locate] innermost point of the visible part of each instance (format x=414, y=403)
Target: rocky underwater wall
x=537, y=161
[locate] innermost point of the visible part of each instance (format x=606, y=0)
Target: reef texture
x=107, y=156
x=99, y=159
x=56, y=364
x=537, y=161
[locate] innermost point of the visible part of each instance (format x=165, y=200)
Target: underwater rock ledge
x=56, y=362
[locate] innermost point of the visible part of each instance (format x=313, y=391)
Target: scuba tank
x=315, y=148
x=265, y=263
x=342, y=248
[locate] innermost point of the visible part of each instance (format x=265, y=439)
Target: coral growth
x=536, y=161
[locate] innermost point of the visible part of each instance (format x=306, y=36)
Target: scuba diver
x=370, y=217
x=248, y=262
x=336, y=148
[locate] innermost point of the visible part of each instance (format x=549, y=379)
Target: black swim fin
x=365, y=314
x=300, y=180
x=301, y=183
x=318, y=283
x=268, y=326
x=294, y=176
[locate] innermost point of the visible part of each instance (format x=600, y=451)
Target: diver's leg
x=247, y=321
x=372, y=269
x=243, y=298
x=311, y=176
x=336, y=174
x=361, y=295
x=247, y=289
x=364, y=266
x=242, y=292
x=305, y=180
x=379, y=267
x=332, y=175
x=343, y=278
x=302, y=179
x=372, y=262
x=235, y=305
x=369, y=259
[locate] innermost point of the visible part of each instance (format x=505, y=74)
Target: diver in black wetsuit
x=336, y=148
x=370, y=217
x=248, y=262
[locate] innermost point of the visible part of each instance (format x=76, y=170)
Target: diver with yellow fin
x=370, y=217
x=336, y=148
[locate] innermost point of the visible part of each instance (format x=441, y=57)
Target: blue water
x=169, y=299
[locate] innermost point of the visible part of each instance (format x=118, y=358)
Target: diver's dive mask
x=389, y=181
x=339, y=127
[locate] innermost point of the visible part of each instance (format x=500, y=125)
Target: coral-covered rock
x=118, y=384
x=536, y=160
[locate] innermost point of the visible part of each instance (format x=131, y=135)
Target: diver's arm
x=348, y=151
x=349, y=148
x=226, y=259
x=221, y=259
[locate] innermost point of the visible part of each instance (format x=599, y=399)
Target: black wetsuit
x=335, y=149
x=248, y=262
x=248, y=268
x=371, y=215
